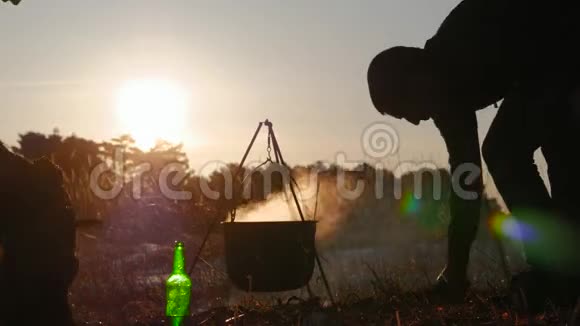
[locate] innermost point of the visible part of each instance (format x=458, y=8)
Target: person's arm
x=462, y=141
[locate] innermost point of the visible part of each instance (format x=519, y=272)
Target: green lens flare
x=409, y=204
x=548, y=239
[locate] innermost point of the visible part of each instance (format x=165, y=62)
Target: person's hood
x=12, y=167
x=47, y=173
x=19, y=174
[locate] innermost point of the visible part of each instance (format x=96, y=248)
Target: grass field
x=376, y=278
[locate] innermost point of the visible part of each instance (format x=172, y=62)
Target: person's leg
x=561, y=232
x=509, y=155
x=560, y=150
x=508, y=151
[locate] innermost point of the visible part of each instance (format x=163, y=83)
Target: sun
x=151, y=110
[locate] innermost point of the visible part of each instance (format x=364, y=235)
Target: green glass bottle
x=178, y=287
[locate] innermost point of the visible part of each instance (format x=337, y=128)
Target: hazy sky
x=301, y=64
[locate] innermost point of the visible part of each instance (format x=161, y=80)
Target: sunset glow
x=152, y=110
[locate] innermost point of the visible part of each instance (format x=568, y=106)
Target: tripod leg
x=323, y=275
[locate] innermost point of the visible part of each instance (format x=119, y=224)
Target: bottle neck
x=178, y=261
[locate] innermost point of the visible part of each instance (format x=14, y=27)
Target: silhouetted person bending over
x=486, y=51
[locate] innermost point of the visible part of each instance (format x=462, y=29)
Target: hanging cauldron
x=270, y=256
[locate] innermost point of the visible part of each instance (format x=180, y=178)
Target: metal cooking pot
x=270, y=256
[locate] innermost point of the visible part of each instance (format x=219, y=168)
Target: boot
x=529, y=291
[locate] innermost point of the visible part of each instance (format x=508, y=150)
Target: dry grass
x=377, y=271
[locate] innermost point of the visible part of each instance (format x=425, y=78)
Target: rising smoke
x=371, y=229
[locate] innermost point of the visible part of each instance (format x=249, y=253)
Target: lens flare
x=410, y=204
x=510, y=227
x=547, y=238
